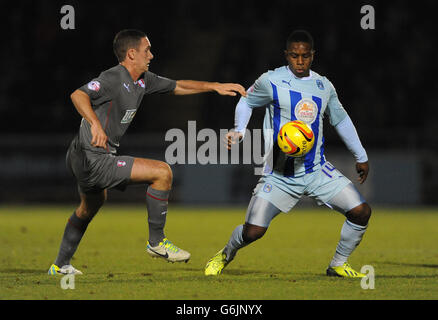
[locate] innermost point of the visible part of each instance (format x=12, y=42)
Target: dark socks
x=156, y=203
x=74, y=230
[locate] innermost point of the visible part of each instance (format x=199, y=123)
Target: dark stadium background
x=385, y=78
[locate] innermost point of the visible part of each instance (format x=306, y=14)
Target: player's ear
x=130, y=54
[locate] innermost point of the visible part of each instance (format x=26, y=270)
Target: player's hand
x=232, y=137
x=99, y=137
x=229, y=89
x=362, y=169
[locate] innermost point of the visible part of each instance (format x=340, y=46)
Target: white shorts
x=326, y=185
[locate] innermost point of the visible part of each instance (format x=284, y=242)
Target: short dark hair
x=300, y=36
x=125, y=40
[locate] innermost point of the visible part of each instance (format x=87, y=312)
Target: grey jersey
x=115, y=98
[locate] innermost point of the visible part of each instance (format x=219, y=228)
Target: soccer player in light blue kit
x=294, y=92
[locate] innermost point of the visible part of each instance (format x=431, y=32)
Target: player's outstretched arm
x=184, y=87
x=82, y=103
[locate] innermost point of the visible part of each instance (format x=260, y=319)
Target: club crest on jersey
x=141, y=83
x=129, y=115
x=306, y=110
x=267, y=188
x=320, y=84
x=94, y=85
x=121, y=163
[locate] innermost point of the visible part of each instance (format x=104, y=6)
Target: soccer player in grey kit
x=108, y=104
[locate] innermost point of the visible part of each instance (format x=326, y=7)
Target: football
x=295, y=138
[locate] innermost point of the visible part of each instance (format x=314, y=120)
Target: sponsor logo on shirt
x=94, y=85
x=306, y=110
x=126, y=86
x=129, y=115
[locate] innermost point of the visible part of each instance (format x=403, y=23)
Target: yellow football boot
x=216, y=264
x=345, y=271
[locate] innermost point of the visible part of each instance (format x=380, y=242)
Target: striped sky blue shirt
x=288, y=98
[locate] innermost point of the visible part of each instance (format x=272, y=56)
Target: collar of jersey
x=129, y=75
x=309, y=77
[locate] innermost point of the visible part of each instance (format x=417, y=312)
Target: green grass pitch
x=288, y=263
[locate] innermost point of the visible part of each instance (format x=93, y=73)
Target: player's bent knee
x=360, y=214
x=167, y=172
x=165, y=175
x=365, y=210
x=154, y=172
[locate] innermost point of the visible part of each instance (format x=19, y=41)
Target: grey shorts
x=95, y=171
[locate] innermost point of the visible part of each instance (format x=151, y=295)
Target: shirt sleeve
x=99, y=90
x=242, y=115
x=260, y=93
x=335, y=110
x=158, y=84
x=348, y=134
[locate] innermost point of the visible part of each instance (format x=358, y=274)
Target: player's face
x=299, y=56
x=143, y=55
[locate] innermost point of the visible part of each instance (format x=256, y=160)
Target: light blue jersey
x=288, y=98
